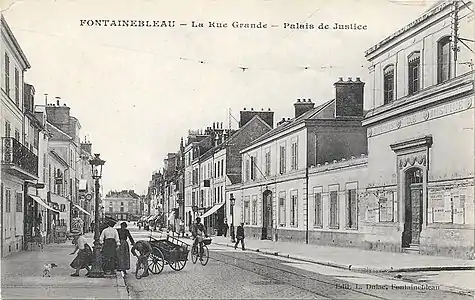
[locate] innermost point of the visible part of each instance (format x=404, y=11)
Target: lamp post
x=96, y=271
x=232, y=201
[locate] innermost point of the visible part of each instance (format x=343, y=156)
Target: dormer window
x=388, y=84
x=443, y=59
x=414, y=63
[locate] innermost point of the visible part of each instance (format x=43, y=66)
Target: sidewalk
x=22, y=277
x=352, y=258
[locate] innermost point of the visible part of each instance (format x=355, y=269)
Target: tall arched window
x=388, y=84
x=443, y=59
x=414, y=63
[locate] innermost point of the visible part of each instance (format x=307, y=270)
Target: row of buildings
x=45, y=172
x=124, y=205
x=396, y=176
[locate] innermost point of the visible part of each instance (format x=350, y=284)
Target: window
x=7, y=74
x=293, y=208
x=8, y=129
x=121, y=203
x=351, y=209
x=443, y=59
x=246, y=210
x=294, y=151
x=17, y=87
x=219, y=168
x=246, y=173
x=333, y=209
x=386, y=207
x=282, y=208
x=282, y=160
x=215, y=171
x=122, y=209
x=414, y=69
x=253, y=167
x=254, y=210
x=267, y=163
x=17, y=135
x=317, y=220
x=19, y=202
x=8, y=200
x=388, y=84
x=222, y=167
x=110, y=209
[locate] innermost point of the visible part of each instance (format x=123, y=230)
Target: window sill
x=351, y=228
x=318, y=226
x=334, y=227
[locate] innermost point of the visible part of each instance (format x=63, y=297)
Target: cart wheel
x=177, y=265
x=205, y=256
x=194, y=254
x=156, y=261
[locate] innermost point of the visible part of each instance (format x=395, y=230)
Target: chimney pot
x=262, y=109
x=64, y=104
x=298, y=100
x=358, y=79
x=310, y=100
x=349, y=79
x=340, y=79
x=252, y=109
x=268, y=109
x=244, y=108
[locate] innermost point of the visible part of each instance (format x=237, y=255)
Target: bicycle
x=204, y=257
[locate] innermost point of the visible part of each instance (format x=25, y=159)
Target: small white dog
x=47, y=269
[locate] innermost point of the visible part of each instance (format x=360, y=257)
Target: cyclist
x=199, y=233
x=144, y=249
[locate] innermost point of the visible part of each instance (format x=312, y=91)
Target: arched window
x=443, y=59
x=414, y=63
x=388, y=84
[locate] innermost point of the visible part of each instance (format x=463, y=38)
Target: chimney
x=247, y=115
x=302, y=107
x=349, y=97
x=87, y=146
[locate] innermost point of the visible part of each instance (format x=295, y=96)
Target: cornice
x=16, y=46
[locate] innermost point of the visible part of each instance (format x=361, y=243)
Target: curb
x=122, y=288
x=356, y=268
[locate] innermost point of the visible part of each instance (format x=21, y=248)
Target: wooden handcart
x=170, y=251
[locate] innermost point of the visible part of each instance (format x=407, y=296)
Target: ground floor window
x=8, y=199
x=254, y=210
x=317, y=218
x=334, y=209
x=282, y=209
x=293, y=208
x=19, y=202
x=246, y=211
x=351, y=209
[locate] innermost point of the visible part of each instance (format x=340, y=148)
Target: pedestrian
x=240, y=236
x=84, y=257
x=144, y=249
x=92, y=227
x=123, y=256
x=225, y=228
x=38, y=237
x=110, y=244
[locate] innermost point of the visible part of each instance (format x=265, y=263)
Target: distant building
x=123, y=205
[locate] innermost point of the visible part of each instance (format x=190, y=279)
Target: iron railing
x=14, y=153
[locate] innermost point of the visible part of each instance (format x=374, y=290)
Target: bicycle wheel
x=194, y=254
x=205, y=257
x=156, y=262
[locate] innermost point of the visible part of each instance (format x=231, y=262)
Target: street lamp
x=96, y=271
x=232, y=201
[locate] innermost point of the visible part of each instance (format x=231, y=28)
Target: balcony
x=18, y=160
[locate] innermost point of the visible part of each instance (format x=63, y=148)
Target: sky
x=137, y=90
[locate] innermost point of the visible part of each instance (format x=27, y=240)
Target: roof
x=313, y=113
x=57, y=134
x=15, y=42
x=233, y=136
x=434, y=9
x=234, y=178
x=58, y=157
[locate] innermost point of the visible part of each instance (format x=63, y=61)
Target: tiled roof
x=311, y=114
x=234, y=178
x=57, y=134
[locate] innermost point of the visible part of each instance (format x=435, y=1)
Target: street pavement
x=22, y=277
x=249, y=275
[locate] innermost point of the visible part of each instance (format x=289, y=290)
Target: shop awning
x=212, y=210
x=82, y=209
x=42, y=203
x=171, y=216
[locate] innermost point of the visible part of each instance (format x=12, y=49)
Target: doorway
x=267, y=227
x=413, y=207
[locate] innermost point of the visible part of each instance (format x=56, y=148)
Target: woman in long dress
x=124, y=250
x=110, y=244
x=84, y=257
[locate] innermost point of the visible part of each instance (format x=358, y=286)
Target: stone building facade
x=420, y=136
